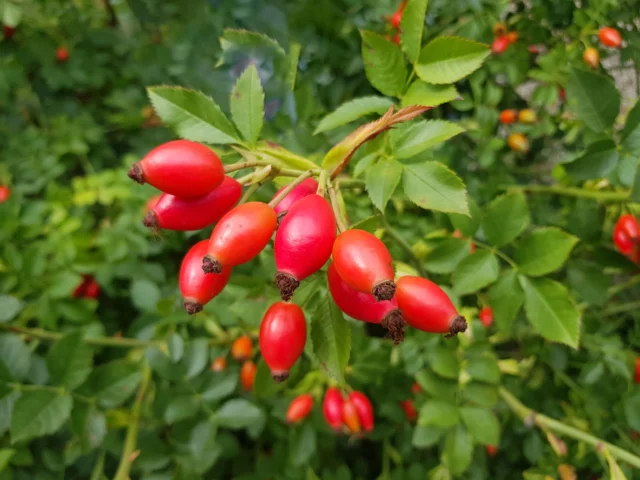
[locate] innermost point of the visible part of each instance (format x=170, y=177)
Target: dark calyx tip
x=279, y=218
x=394, y=323
x=192, y=307
x=458, y=325
x=280, y=377
x=210, y=265
x=136, y=174
x=384, y=290
x=150, y=220
x=287, y=284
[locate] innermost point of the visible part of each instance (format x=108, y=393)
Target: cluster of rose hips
x=361, y=277
x=626, y=237
x=609, y=37
x=517, y=141
x=502, y=38
x=394, y=20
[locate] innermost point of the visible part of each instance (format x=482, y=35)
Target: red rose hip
x=283, y=333
x=239, y=236
x=242, y=348
x=364, y=263
x=350, y=416
x=508, y=116
x=299, y=408
x=5, y=193
x=636, y=376
x=307, y=187
x=303, y=242
x=197, y=287
x=182, y=168
x=427, y=307
x=364, y=408
x=500, y=45
x=409, y=410
x=626, y=236
x=248, y=375
x=332, y=408
x=610, y=37
x=486, y=316
x=175, y=213
x=62, y=54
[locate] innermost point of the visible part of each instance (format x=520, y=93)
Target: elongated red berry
x=332, y=408
x=92, y=289
x=350, y=416
x=363, y=406
x=636, y=375
x=175, y=213
x=197, y=287
x=303, y=242
x=364, y=262
x=626, y=236
x=182, y=168
x=508, y=116
x=239, y=236
x=242, y=348
x=409, y=410
x=591, y=57
x=81, y=288
x=486, y=316
x=219, y=364
x=427, y=307
x=307, y=187
x=500, y=45
x=248, y=375
x=5, y=193
x=283, y=333
x=364, y=307
x=610, y=37
x=299, y=408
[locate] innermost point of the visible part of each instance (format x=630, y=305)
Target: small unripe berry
x=591, y=57
x=508, y=116
x=363, y=407
x=486, y=316
x=518, y=142
x=299, y=408
x=5, y=193
x=242, y=348
x=350, y=416
x=499, y=29
x=62, y=54
x=512, y=37
x=500, y=45
x=219, y=364
x=527, y=116
x=247, y=375
x=409, y=410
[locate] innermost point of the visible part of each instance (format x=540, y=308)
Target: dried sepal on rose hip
x=299, y=408
x=364, y=263
x=303, y=242
x=364, y=307
x=283, y=334
x=425, y=306
x=198, y=288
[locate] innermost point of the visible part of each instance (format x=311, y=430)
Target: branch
x=336, y=209
x=571, y=192
x=285, y=191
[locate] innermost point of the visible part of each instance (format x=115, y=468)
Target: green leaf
x=196, y=356
x=420, y=93
x=331, y=338
x=444, y=362
x=113, y=383
x=264, y=385
x=544, y=251
x=70, y=361
x=439, y=387
x=422, y=135
x=484, y=369
x=303, y=444
x=600, y=159
x=247, y=104
x=506, y=298
x=382, y=180
x=475, y=272
x=353, y=110
x=447, y=255
x=181, y=407
x=594, y=97
x=192, y=114
x=632, y=411
x=438, y=413
x=5, y=457
x=635, y=189
x=15, y=358
x=458, y=450
x=467, y=224
x=238, y=413
x=145, y=294
x=425, y=437
x=292, y=60
x=506, y=218
x=39, y=413
x=433, y=186
x=384, y=64
x=412, y=26
x=482, y=424
x=220, y=387
x=450, y=59
x=237, y=39
x=9, y=308
x=480, y=394
x=551, y=311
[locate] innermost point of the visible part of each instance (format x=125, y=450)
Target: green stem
x=285, y=191
x=571, y=192
x=625, y=307
x=250, y=191
x=98, y=469
x=504, y=257
x=322, y=183
x=246, y=164
x=544, y=422
x=402, y=243
x=131, y=439
x=336, y=209
x=345, y=182
x=615, y=289
x=20, y=387
x=41, y=334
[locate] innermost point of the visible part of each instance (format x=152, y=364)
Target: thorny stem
x=336, y=209
x=506, y=258
x=404, y=245
x=571, y=192
x=128, y=455
x=278, y=198
x=544, y=422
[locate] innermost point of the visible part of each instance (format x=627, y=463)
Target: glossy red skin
x=307, y=187
x=62, y=54
x=508, y=116
x=8, y=31
x=500, y=45
x=182, y=168
x=5, y=193
x=305, y=237
x=425, y=305
x=486, y=316
x=362, y=260
x=610, y=37
x=492, y=450
x=152, y=202
x=242, y=233
x=350, y=416
x=364, y=408
x=358, y=305
x=242, y=348
x=283, y=333
x=636, y=376
x=299, y=408
x=332, y=408
x=174, y=213
x=195, y=285
x=247, y=375
x=591, y=57
x=409, y=410
x=626, y=236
